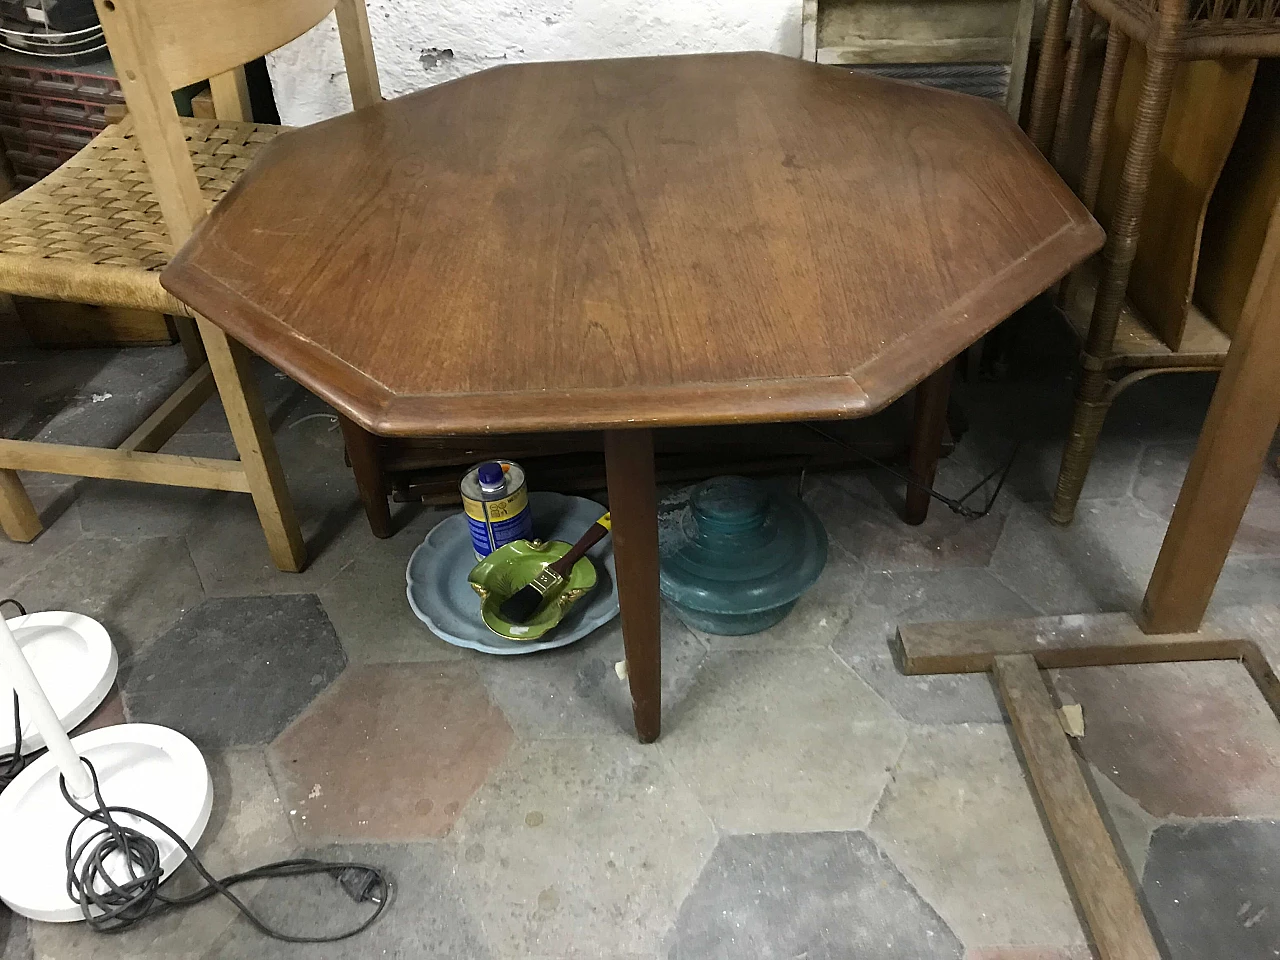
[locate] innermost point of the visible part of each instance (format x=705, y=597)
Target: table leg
x=633, y=504
x=362, y=451
x=932, y=396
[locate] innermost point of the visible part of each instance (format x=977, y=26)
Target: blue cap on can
x=490, y=474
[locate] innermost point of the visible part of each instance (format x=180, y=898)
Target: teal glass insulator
x=738, y=554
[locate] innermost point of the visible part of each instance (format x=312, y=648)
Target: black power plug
x=361, y=884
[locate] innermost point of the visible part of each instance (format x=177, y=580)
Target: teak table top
x=615, y=243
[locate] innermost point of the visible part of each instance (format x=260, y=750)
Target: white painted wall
x=423, y=42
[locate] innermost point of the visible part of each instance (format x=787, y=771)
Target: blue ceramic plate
x=441, y=597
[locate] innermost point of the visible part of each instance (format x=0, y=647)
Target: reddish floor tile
x=389, y=752
x=1186, y=739
x=109, y=713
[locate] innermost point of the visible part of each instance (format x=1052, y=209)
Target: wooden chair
x=1121, y=344
x=99, y=229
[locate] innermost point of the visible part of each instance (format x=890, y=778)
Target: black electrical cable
x=955, y=504
x=11, y=764
x=110, y=906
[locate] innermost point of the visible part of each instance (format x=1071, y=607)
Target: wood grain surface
x=1116, y=923
x=1205, y=109
x=617, y=243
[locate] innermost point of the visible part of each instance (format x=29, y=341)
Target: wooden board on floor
x=1103, y=888
x=1078, y=640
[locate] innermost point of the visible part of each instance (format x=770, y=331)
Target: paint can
x=496, y=501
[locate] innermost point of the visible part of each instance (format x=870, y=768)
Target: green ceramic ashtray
x=510, y=567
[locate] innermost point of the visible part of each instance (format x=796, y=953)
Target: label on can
x=495, y=523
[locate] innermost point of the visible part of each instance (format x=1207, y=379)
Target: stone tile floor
x=806, y=799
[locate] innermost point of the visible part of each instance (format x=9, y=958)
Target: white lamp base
x=74, y=661
x=141, y=765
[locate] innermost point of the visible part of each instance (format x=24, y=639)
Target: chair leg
x=1048, y=87
x=192, y=346
x=362, y=450
x=247, y=417
x=18, y=517
x=1093, y=400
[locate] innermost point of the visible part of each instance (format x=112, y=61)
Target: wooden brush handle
x=595, y=533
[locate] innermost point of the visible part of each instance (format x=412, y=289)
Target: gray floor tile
x=367, y=604
x=116, y=508
x=229, y=549
x=576, y=691
x=91, y=397
x=1130, y=826
x=1245, y=582
x=867, y=641
x=19, y=560
x=822, y=896
x=783, y=741
x=1214, y=890
x=15, y=941
x=137, y=589
x=893, y=598
x=1101, y=562
x=862, y=512
x=236, y=671
x=428, y=917
x=578, y=849
x=959, y=819
x=1160, y=481
x=1034, y=416
x=247, y=828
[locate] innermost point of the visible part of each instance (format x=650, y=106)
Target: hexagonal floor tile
x=783, y=741
x=427, y=918
x=861, y=511
x=62, y=528
x=576, y=692
x=1215, y=889
x=247, y=828
x=390, y=752
x=892, y=598
x=1101, y=562
x=820, y=895
x=959, y=819
x=581, y=849
x=1160, y=476
x=137, y=588
x=15, y=940
x=236, y=671
x=1183, y=739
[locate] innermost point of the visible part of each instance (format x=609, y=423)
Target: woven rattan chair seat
x=99, y=210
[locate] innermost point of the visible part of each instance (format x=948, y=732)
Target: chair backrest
x=158, y=46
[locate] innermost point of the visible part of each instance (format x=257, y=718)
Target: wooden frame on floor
x=1237, y=434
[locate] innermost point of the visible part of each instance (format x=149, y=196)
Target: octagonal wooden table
x=623, y=245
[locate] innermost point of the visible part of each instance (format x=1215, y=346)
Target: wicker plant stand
x=1119, y=349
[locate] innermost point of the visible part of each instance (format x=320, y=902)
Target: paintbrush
x=524, y=603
